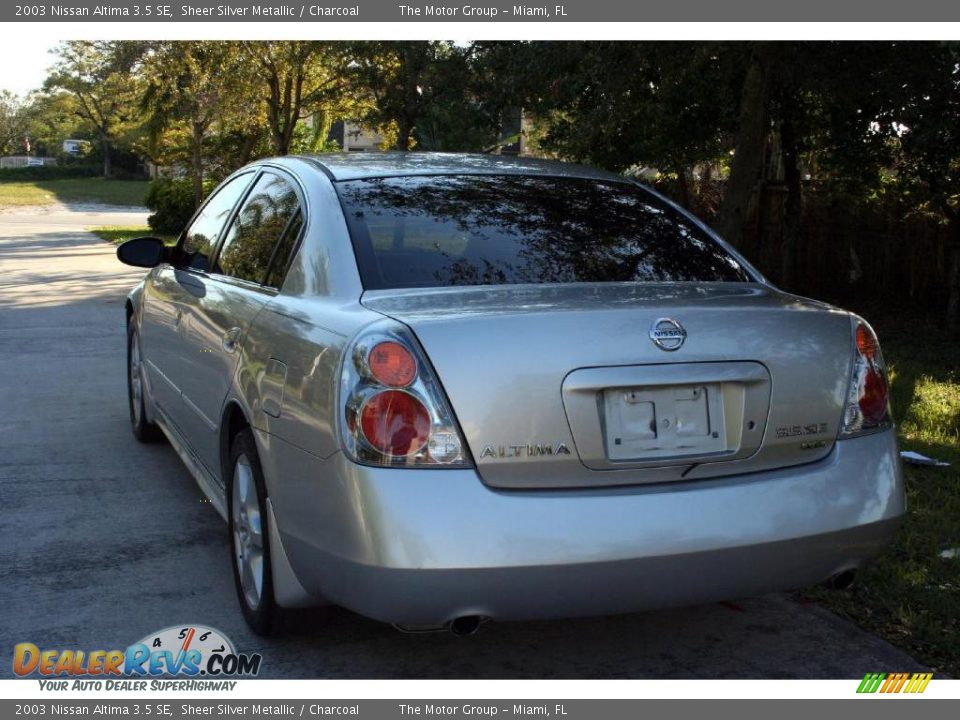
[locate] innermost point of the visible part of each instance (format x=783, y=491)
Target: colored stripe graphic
x=894, y=683
x=923, y=679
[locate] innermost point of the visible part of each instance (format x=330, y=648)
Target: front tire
x=250, y=537
x=144, y=430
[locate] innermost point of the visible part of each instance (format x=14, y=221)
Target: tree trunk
x=277, y=140
x=793, y=213
x=953, y=279
x=288, y=113
x=197, y=164
x=291, y=125
x=276, y=116
x=107, y=155
x=250, y=141
x=684, y=187
x=404, y=128
x=322, y=121
x=287, y=119
x=751, y=140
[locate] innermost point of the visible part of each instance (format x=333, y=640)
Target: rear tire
x=143, y=430
x=250, y=537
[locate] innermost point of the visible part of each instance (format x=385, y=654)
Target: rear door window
x=261, y=231
x=284, y=252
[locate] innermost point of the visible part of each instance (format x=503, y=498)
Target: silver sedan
x=436, y=389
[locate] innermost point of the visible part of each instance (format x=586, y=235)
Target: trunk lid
x=563, y=385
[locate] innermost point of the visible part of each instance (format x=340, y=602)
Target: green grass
x=910, y=595
x=117, y=234
x=45, y=192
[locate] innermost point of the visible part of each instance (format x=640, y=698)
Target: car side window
x=284, y=253
x=202, y=235
x=260, y=230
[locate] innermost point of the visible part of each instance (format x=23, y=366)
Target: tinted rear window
x=438, y=231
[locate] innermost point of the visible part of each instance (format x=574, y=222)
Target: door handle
x=230, y=338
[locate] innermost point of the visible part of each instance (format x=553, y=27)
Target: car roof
x=360, y=165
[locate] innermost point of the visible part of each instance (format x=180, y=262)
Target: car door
x=175, y=288
x=232, y=293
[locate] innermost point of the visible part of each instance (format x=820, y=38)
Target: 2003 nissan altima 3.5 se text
x=440, y=388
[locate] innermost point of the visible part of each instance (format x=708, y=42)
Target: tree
x=49, y=119
x=11, y=123
x=105, y=89
x=463, y=107
x=753, y=128
x=620, y=105
x=928, y=130
x=300, y=78
x=772, y=114
x=876, y=125
x=195, y=86
x=403, y=80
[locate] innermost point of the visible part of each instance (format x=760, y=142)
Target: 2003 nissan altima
x=439, y=388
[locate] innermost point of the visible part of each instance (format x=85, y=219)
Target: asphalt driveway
x=103, y=540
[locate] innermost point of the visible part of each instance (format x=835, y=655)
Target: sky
x=24, y=62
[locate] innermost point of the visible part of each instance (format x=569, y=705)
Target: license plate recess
x=672, y=414
x=672, y=421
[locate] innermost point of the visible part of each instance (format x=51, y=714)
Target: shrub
x=49, y=172
x=171, y=200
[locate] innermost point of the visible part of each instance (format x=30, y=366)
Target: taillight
x=867, y=344
x=395, y=423
x=868, y=397
x=394, y=411
x=392, y=364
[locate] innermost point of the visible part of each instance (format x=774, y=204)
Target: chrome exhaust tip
x=842, y=580
x=419, y=629
x=466, y=625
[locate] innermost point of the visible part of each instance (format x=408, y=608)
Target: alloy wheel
x=136, y=383
x=247, y=532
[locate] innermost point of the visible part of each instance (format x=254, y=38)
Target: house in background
x=76, y=147
x=353, y=138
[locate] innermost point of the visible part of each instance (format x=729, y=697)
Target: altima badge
x=508, y=451
x=667, y=334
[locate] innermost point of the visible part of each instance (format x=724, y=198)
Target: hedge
x=49, y=172
x=172, y=203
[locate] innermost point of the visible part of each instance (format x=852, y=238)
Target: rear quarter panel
x=292, y=351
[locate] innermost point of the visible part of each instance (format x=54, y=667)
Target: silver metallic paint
x=503, y=353
x=430, y=546
x=425, y=546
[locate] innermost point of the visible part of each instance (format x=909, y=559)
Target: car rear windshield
x=436, y=231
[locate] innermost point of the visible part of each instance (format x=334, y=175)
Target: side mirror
x=145, y=252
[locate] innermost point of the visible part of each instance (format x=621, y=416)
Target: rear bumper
x=427, y=546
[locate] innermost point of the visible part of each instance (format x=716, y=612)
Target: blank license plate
x=660, y=422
